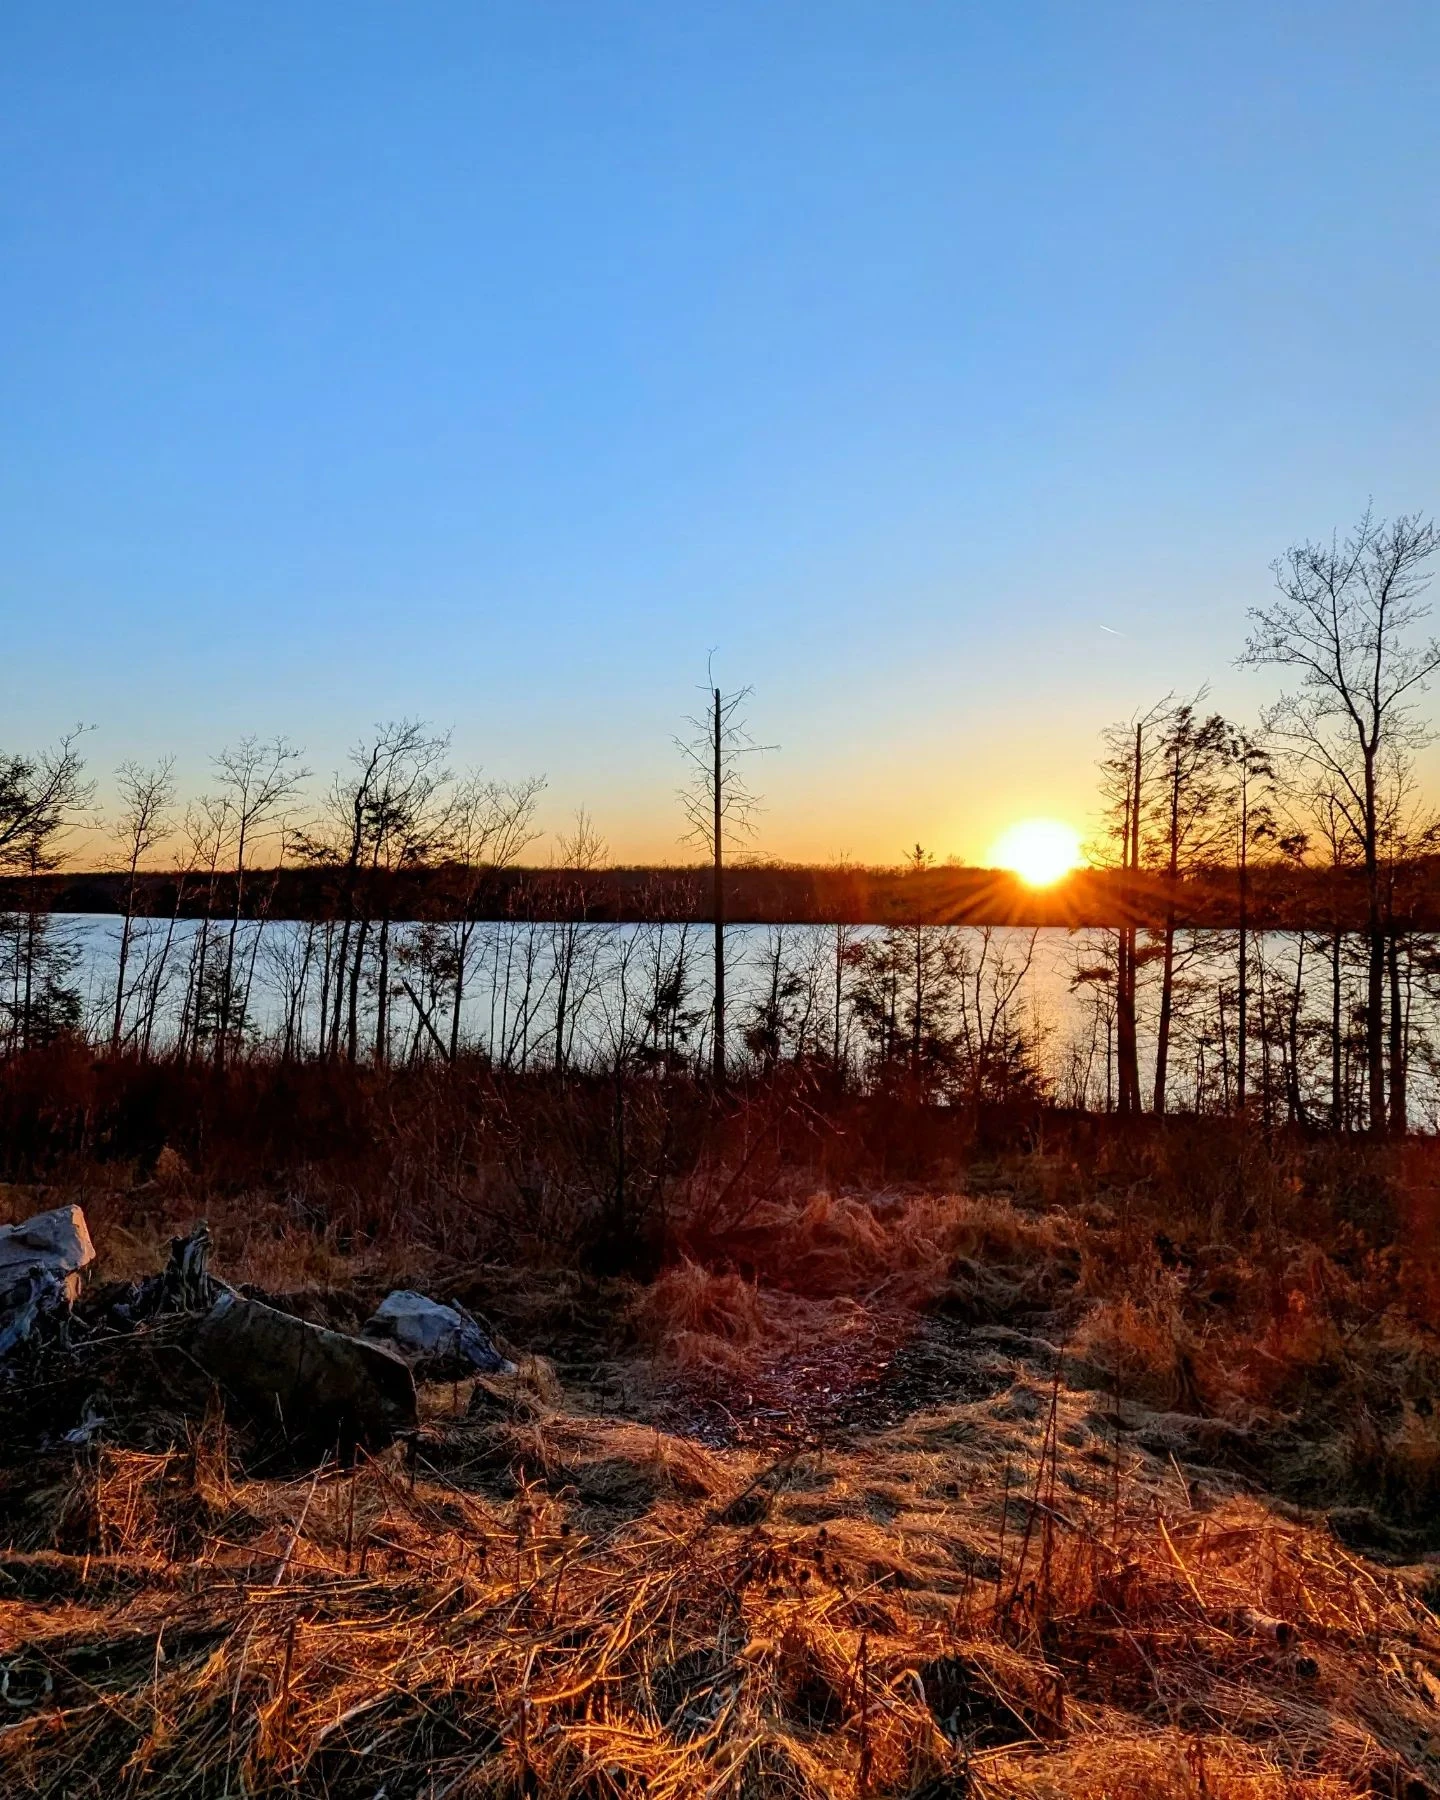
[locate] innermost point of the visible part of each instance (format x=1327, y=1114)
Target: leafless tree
x=849, y=951
x=1251, y=821
x=1092, y=975
x=773, y=1020
x=574, y=941
x=143, y=823
x=389, y=814
x=1177, y=834
x=204, y=829
x=491, y=825
x=993, y=970
x=720, y=810
x=256, y=781
x=41, y=799
x=1345, y=621
x=1126, y=780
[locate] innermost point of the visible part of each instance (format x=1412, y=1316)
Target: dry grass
x=908, y=1250
x=984, y=1602
x=1077, y=1584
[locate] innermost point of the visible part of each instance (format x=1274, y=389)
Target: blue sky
x=492, y=363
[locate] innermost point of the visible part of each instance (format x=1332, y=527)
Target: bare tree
x=1093, y=975
x=1344, y=622
x=144, y=822
x=491, y=825
x=256, y=781
x=1189, y=751
x=1125, y=786
x=849, y=953
x=204, y=830
x=389, y=814
x=773, y=1017
x=581, y=853
x=993, y=968
x=155, y=974
x=1251, y=818
x=720, y=811
x=41, y=799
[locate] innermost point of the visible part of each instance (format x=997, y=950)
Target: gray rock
x=52, y=1243
x=435, y=1339
x=41, y=1265
x=322, y=1387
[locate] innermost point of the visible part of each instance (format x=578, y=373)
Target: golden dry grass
x=989, y=1600
x=1046, y=1592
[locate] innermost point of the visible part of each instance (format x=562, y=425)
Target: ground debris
x=322, y=1387
x=439, y=1342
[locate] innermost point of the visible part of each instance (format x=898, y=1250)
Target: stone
x=42, y=1262
x=442, y=1341
x=52, y=1243
x=323, y=1388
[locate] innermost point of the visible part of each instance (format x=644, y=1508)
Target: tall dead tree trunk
x=717, y=782
x=1399, y=1100
x=1127, y=1048
x=718, y=808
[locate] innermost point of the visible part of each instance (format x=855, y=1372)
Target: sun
x=1039, y=851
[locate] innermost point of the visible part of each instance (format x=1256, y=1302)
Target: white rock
x=423, y=1330
x=52, y=1243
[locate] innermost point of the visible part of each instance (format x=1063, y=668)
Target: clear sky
x=954, y=371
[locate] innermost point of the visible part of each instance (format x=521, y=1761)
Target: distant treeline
x=1283, y=896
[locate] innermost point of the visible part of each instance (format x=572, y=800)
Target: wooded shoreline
x=1282, y=896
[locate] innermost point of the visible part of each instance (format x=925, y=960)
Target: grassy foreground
x=1095, y=1467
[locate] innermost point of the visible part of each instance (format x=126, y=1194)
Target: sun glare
x=1039, y=851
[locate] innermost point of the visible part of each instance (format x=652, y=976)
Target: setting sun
x=1039, y=851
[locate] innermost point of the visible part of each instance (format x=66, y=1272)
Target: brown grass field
x=1003, y=1457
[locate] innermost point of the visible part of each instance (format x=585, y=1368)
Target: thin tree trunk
x=1242, y=999
x=352, y=1023
x=1292, y=1073
x=126, y=926
x=839, y=967
x=1337, y=1041
x=1267, y=1107
x=152, y=998
x=222, y=1029
x=1375, y=964
x=718, y=1046
x=1398, y=1083
x=28, y=1004
x=1167, y=972
x=382, y=994
x=1126, y=1031
x=1167, y=1005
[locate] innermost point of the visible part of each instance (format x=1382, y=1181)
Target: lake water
x=589, y=991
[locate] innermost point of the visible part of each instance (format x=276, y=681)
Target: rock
x=55, y=1243
x=322, y=1387
x=41, y=1263
x=442, y=1341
